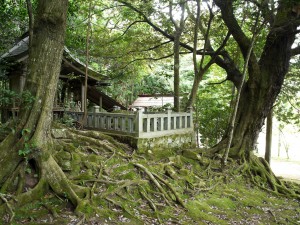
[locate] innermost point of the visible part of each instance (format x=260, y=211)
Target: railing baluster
x=148, y=124
x=155, y=124
x=116, y=123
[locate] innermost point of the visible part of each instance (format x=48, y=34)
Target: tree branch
x=216, y=55
x=233, y=73
x=267, y=14
x=31, y=21
x=197, y=22
x=126, y=30
x=240, y=37
x=146, y=58
x=206, y=37
x=232, y=24
x=221, y=82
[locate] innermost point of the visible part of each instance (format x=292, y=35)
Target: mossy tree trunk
x=266, y=75
x=33, y=130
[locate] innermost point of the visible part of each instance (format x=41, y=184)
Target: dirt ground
x=286, y=168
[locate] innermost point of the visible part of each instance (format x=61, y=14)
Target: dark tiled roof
x=70, y=64
x=108, y=103
x=20, y=50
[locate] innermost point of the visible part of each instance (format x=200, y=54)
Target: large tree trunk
x=33, y=130
x=266, y=77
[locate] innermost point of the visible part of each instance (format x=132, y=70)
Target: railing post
x=190, y=111
x=148, y=124
x=139, y=121
x=169, y=110
x=130, y=124
x=96, y=109
x=116, y=123
x=155, y=124
x=123, y=124
x=95, y=117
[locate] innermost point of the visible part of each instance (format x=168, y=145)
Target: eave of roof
x=19, y=52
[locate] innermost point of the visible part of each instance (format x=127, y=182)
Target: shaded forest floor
x=162, y=186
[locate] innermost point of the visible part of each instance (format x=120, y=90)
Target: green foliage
x=287, y=107
x=6, y=128
x=13, y=22
x=67, y=120
x=27, y=99
x=158, y=83
x=7, y=97
x=27, y=146
x=212, y=109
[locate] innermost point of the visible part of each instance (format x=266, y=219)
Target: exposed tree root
x=151, y=204
x=121, y=186
x=11, y=215
x=178, y=199
x=81, y=221
x=90, y=172
x=51, y=210
x=261, y=174
x=256, y=168
x=76, y=168
x=157, y=184
x=121, y=206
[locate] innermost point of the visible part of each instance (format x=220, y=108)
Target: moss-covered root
x=98, y=139
x=261, y=173
x=58, y=181
x=12, y=202
x=178, y=199
x=52, y=176
x=155, y=179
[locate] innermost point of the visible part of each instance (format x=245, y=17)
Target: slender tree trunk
x=194, y=90
x=87, y=56
x=176, y=73
x=200, y=70
x=176, y=48
x=268, y=149
x=234, y=113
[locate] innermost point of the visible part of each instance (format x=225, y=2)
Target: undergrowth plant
x=28, y=146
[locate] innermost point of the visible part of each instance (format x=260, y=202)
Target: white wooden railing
x=139, y=124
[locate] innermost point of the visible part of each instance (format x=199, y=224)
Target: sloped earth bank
x=163, y=186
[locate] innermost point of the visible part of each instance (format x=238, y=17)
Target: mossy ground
x=123, y=193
